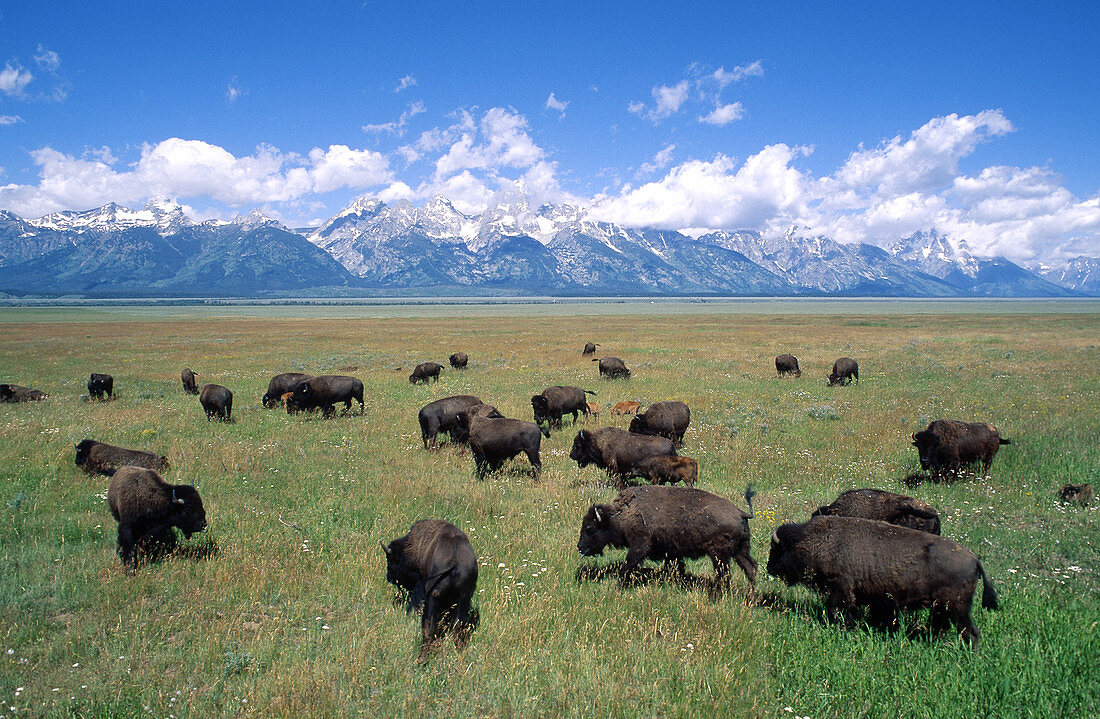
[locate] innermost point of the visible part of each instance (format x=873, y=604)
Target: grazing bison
x=664, y=469
x=493, y=440
x=592, y=410
x=787, y=366
x=188, y=379
x=1077, y=494
x=865, y=563
x=612, y=368
x=437, y=567
x=217, y=401
x=664, y=419
x=948, y=444
x=17, y=393
x=844, y=371
x=626, y=408
x=885, y=507
x=100, y=384
x=459, y=431
x=553, y=402
x=616, y=450
x=326, y=390
x=425, y=371
x=589, y=348
x=147, y=508
x=99, y=458
x=654, y=522
x=459, y=360
x=280, y=384
x=442, y=416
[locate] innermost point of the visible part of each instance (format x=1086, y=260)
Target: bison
x=17, y=393
x=589, y=348
x=626, y=407
x=217, y=401
x=100, y=384
x=612, y=368
x=280, y=384
x=188, y=379
x=1077, y=494
x=654, y=522
x=436, y=566
x=948, y=444
x=286, y=399
x=493, y=440
x=425, y=371
x=616, y=450
x=99, y=458
x=592, y=410
x=442, y=415
x=553, y=402
x=664, y=419
x=458, y=360
x=845, y=369
x=885, y=507
x=866, y=563
x=460, y=433
x=787, y=366
x=665, y=469
x=326, y=390
x=147, y=508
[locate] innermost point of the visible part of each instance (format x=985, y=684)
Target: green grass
x=282, y=609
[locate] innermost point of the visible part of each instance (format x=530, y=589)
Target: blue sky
x=860, y=121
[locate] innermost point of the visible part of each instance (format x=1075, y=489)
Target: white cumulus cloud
x=724, y=114
x=553, y=103
x=405, y=83
x=14, y=79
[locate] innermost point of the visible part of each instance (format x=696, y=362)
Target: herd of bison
x=869, y=551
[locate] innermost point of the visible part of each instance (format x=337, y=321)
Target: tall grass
x=282, y=608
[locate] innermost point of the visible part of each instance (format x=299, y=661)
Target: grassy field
x=282, y=609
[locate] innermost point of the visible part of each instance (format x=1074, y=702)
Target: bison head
x=82, y=450
x=584, y=451
x=597, y=531
x=187, y=510
x=460, y=430
x=541, y=407
x=302, y=391
x=926, y=443
x=638, y=425
x=783, y=559
x=399, y=571
x=269, y=400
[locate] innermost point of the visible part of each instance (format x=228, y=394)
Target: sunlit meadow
x=282, y=609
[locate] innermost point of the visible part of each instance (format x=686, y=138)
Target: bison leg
x=634, y=558
x=960, y=616
x=126, y=544
x=428, y=627
x=327, y=411
x=536, y=462
x=748, y=565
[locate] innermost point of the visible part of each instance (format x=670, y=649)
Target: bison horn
x=384, y=547
x=775, y=536
x=176, y=499
x=597, y=511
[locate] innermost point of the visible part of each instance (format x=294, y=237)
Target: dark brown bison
x=886, y=568
x=654, y=522
x=885, y=507
x=280, y=384
x=553, y=402
x=616, y=450
x=613, y=368
x=147, y=508
x=17, y=393
x=664, y=469
x=436, y=566
x=425, y=371
x=459, y=360
x=99, y=458
x=324, y=391
x=787, y=366
x=442, y=415
x=664, y=419
x=589, y=348
x=844, y=371
x=459, y=431
x=188, y=379
x=217, y=401
x=494, y=440
x=100, y=384
x=626, y=407
x=1077, y=494
x=947, y=445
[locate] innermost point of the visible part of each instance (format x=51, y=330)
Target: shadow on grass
x=667, y=573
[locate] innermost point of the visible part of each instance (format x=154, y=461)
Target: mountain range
x=372, y=247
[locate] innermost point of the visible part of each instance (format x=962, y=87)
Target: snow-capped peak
x=163, y=214
x=256, y=219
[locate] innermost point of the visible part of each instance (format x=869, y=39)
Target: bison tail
x=595, y=359
x=989, y=594
x=749, y=494
x=588, y=391
x=108, y=471
x=1005, y=440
